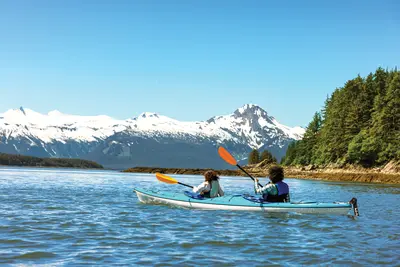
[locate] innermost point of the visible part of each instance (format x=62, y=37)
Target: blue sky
x=189, y=60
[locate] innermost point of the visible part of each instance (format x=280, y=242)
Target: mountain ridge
x=104, y=139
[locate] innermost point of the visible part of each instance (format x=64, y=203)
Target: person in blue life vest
x=210, y=187
x=276, y=190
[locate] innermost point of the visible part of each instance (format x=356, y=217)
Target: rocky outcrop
x=341, y=175
x=388, y=174
x=392, y=167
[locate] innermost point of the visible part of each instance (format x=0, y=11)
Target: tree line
x=359, y=124
x=255, y=157
x=19, y=160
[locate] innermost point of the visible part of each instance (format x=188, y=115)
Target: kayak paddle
x=169, y=180
x=225, y=155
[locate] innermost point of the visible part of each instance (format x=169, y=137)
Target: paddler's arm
x=202, y=187
x=267, y=189
x=256, y=186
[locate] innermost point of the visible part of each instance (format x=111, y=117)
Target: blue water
x=75, y=217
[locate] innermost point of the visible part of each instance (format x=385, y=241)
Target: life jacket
x=213, y=191
x=283, y=193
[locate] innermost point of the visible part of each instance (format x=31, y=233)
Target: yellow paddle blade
x=166, y=179
x=226, y=156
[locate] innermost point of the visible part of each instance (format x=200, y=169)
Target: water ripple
x=62, y=217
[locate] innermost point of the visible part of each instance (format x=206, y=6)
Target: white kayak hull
x=240, y=204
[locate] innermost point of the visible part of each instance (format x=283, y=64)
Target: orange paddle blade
x=166, y=179
x=226, y=156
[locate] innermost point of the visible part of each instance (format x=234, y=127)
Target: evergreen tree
x=265, y=155
x=363, y=150
x=254, y=157
x=291, y=154
x=386, y=121
x=307, y=146
x=283, y=159
x=359, y=123
x=366, y=103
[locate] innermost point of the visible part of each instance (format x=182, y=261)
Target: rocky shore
x=182, y=171
x=389, y=174
x=340, y=175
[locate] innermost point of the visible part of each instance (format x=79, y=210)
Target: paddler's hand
x=255, y=185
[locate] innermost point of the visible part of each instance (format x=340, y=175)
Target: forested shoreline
x=359, y=124
x=20, y=160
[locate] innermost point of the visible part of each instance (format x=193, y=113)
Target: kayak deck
x=239, y=202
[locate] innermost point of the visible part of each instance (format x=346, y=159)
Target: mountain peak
x=248, y=106
x=22, y=110
x=148, y=115
x=249, y=110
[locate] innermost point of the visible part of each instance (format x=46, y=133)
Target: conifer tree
x=254, y=157
x=267, y=156
x=359, y=123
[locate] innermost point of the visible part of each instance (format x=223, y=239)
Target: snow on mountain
x=246, y=121
x=67, y=135
x=56, y=126
x=253, y=124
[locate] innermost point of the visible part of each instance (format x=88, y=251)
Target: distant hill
x=19, y=160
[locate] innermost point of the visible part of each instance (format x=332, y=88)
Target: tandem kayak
x=242, y=203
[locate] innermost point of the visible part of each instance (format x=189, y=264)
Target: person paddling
x=210, y=187
x=277, y=191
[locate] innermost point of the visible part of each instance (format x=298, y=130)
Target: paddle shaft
x=225, y=155
x=185, y=184
x=237, y=165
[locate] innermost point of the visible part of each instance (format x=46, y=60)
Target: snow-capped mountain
x=147, y=140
